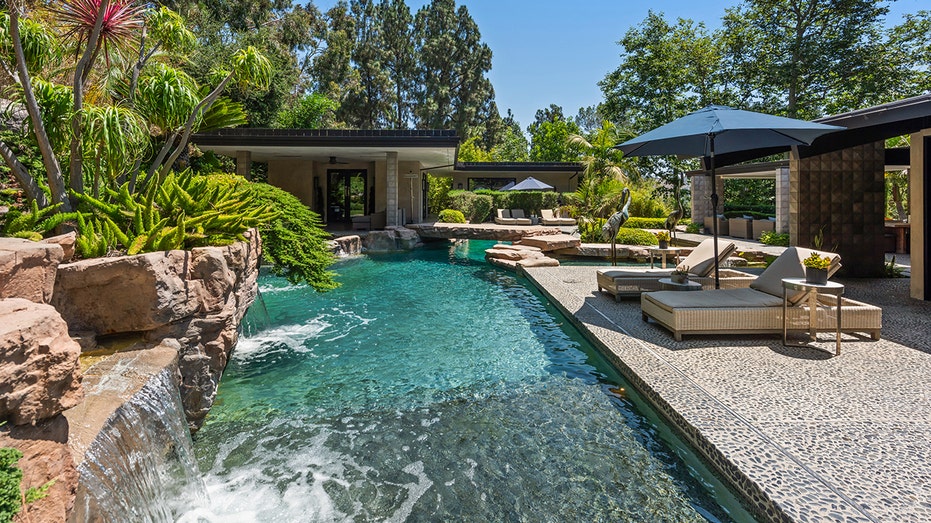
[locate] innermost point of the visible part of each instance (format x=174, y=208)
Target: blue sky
x=552, y=51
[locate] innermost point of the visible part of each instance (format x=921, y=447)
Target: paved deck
x=804, y=435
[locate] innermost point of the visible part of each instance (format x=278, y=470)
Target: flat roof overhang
x=864, y=126
x=429, y=147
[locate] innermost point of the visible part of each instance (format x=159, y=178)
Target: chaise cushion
x=789, y=265
x=714, y=299
x=701, y=260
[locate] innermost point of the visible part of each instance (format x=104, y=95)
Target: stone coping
x=799, y=434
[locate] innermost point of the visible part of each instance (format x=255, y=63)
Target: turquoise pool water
x=434, y=387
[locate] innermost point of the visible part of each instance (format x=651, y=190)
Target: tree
x=399, y=59
x=666, y=72
x=796, y=57
x=454, y=92
x=600, y=158
x=366, y=105
x=313, y=111
x=549, y=136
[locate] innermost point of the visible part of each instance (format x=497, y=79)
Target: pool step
x=514, y=256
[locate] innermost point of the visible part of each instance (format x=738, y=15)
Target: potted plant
x=663, y=237
x=680, y=274
x=816, y=268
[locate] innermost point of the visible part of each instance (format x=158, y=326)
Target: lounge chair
x=547, y=217
x=631, y=281
x=757, y=309
x=503, y=217
x=518, y=214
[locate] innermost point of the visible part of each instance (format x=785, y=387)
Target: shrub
x=438, y=192
x=775, y=238
x=481, y=208
x=294, y=241
x=10, y=479
x=693, y=227
x=451, y=216
x=475, y=207
x=645, y=223
x=643, y=204
x=627, y=236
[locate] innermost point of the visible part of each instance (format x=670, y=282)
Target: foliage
x=529, y=201
x=635, y=222
x=471, y=151
x=894, y=271
x=644, y=203
x=182, y=212
x=595, y=197
x=438, y=188
x=897, y=199
x=35, y=223
x=599, y=156
x=475, y=207
x=775, y=238
x=121, y=21
x=451, y=216
x=549, y=136
x=817, y=262
x=750, y=194
x=313, y=111
x=294, y=240
x=695, y=228
x=662, y=236
x=10, y=479
x=590, y=232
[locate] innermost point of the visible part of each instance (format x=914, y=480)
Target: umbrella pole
x=714, y=217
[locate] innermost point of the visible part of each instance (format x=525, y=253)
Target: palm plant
x=599, y=157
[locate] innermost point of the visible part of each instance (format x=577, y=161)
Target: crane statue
x=673, y=219
x=614, y=223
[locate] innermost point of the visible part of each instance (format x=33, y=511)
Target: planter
x=817, y=276
x=663, y=244
x=679, y=278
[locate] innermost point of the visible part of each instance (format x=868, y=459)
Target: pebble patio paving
x=804, y=435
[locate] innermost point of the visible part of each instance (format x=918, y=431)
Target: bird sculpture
x=673, y=219
x=614, y=223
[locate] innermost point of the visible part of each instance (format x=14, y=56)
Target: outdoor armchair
x=547, y=217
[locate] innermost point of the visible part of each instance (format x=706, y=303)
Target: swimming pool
x=434, y=387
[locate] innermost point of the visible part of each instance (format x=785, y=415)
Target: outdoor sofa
x=631, y=281
x=548, y=217
x=758, y=308
x=511, y=217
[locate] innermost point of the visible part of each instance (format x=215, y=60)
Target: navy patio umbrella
x=530, y=184
x=720, y=129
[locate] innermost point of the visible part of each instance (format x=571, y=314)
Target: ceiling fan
x=335, y=161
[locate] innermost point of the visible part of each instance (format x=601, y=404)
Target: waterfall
x=141, y=466
x=256, y=319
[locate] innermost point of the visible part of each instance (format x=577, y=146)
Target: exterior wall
x=783, y=191
x=701, y=197
x=842, y=192
x=405, y=187
x=296, y=177
x=916, y=207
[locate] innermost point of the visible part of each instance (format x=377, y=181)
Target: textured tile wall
x=843, y=192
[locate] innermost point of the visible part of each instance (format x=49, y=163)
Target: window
x=489, y=183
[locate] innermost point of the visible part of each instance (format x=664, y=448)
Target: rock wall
x=27, y=269
x=197, y=297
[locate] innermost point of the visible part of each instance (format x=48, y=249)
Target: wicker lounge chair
x=547, y=217
x=757, y=309
x=503, y=217
x=631, y=281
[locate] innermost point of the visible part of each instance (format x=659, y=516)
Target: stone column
x=391, y=188
x=244, y=164
x=842, y=194
x=782, y=199
x=701, y=197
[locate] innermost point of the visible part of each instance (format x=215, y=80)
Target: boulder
x=67, y=242
x=46, y=457
x=543, y=261
x=406, y=239
x=392, y=239
x=346, y=246
x=27, y=269
x=39, y=371
x=197, y=297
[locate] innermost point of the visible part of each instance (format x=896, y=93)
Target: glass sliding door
x=346, y=194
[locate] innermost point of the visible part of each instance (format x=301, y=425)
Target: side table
x=671, y=250
x=814, y=289
x=667, y=284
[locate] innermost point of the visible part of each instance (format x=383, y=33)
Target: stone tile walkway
x=804, y=435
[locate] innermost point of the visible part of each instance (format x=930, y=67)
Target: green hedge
x=590, y=232
x=451, y=216
x=775, y=238
x=529, y=201
x=636, y=222
x=476, y=207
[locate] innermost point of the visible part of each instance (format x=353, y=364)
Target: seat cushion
x=700, y=261
x=788, y=265
x=713, y=299
x=635, y=273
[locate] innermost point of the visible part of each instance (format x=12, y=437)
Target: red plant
x=122, y=21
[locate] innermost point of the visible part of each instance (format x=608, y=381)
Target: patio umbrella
x=507, y=186
x=721, y=129
x=531, y=184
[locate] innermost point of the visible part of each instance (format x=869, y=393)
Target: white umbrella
x=530, y=184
